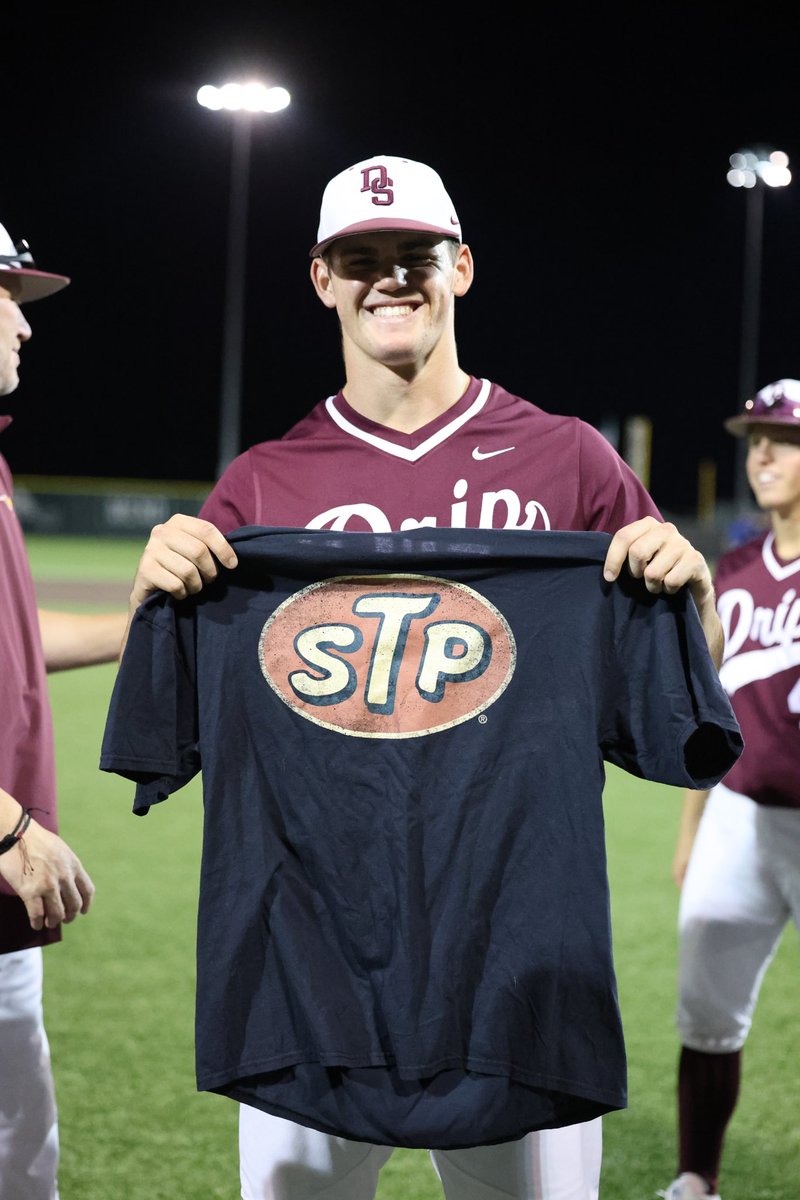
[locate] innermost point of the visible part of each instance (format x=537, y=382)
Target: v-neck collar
x=777, y=569
x=410, y=446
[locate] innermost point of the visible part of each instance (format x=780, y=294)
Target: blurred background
x=620, y=276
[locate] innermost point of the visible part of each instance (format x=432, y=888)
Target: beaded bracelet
x=11, y=839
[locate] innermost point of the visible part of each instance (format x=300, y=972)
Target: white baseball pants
x=280, y=1160
x=28, y=1119
x=741, y=888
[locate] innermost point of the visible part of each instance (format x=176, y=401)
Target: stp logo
x=389, y=656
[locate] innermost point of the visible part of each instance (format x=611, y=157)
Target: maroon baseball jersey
x=491, y=461
x=27, y=757
x=759, y=605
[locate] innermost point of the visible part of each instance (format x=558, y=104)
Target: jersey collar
x=413, y=446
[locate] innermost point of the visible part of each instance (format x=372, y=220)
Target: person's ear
x=464, y=271
x=321, y=279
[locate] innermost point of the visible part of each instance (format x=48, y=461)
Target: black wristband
x=11, y=839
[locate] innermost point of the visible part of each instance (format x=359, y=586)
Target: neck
x=787, y=535
x=405, y=399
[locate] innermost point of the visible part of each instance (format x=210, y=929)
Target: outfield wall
x=131, y=507
x=102, y=507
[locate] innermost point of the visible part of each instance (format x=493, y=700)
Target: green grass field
x=119, y=989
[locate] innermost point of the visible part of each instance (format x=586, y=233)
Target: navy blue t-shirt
x=404, y=931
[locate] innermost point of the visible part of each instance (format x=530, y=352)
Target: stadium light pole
x=755, y=171
x=243, y=101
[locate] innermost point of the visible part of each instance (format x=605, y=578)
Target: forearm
x=128, y=620
x=46, y=875
x=693, y=806
x=658, y=553
x=80, y=639
x=706, y=602
x=10, y=810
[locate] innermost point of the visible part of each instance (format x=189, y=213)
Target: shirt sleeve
x=151, y=731
x=667, y=715
x=612, y=494
x=232, y=501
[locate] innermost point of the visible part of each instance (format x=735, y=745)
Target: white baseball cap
x=23, y=280
x=384, y=193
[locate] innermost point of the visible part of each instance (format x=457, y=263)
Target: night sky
x=586, y=156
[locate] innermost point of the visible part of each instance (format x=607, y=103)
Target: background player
x=742, y=840
x=413, y=440
x=42, y=883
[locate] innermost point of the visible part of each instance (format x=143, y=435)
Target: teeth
x=393, y=310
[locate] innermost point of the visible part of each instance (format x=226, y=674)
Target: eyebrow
x=410, y=244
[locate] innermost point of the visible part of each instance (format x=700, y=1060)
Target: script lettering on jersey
x=742, y=619
x=776, y=630
x=502, y=509
x=387, y=655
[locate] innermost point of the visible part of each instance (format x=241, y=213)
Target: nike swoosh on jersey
x=481, y=454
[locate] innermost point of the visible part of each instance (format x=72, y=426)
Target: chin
x=399, y=358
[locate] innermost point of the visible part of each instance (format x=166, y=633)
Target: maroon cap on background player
x=381, y=194
x=776, y=404
x=19, y=274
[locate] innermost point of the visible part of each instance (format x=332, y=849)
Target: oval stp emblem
x=389, y=656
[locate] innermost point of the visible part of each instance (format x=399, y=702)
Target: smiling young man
x=412, y=442
x=738, y=855
x=411, y=439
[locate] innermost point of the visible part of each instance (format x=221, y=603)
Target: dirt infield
x=114, y=593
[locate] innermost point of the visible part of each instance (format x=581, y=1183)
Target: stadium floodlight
x=755, y=170
x=244, y=101
x=253, y=97
x=750, y=166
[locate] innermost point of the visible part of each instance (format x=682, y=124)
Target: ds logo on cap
x=381, y=194
x=389, y=656
x=377, y=181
